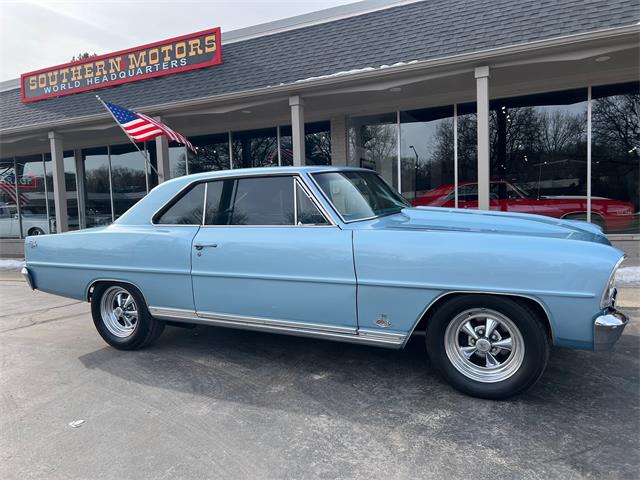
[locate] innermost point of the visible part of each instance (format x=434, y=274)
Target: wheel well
x=95, y=283
x=528, y=302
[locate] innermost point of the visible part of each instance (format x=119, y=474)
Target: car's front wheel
x=121, y=317
x=487, y=346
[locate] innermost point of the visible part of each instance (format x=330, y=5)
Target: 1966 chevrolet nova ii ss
x=335, y=253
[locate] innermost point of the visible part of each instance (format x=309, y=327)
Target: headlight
x=609, y=295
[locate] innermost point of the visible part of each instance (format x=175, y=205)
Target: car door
x=266, y=252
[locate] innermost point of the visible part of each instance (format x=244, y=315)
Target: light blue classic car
x=335, y=253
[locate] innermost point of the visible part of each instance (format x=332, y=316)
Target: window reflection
x=9, y=219
x=73, y=220
x=178, y=161
x=426, y=150
x=615, y=157
x=213, y=153
x=317, y=144
x=255, y=148
x=97, y=187
x=373, y=144
x=32, y=190
x=128, y=176
x=538, y=149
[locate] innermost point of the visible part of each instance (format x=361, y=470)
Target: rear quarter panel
x=155, y=259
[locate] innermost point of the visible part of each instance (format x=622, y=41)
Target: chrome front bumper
x=607, y=329
x=27, y=276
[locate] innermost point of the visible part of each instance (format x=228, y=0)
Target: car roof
x=264, y=171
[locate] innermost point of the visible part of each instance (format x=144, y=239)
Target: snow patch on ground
x=628, y=277
x=11, y=264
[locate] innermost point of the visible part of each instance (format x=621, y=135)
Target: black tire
x=35, y=231
x=146, y=329
x=531, y=335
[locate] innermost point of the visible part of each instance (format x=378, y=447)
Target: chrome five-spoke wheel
x=484, y=345
x=119, y=311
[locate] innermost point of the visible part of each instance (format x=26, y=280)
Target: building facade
x=518, y=106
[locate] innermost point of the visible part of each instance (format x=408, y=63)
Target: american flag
x=140, y=127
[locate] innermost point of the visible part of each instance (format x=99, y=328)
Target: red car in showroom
x=611, y=215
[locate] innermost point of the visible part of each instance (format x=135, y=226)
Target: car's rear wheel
x=121, y=316
x=487, y=346
x=35, y=231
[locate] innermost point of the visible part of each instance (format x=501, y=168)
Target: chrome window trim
x=335, y=209
x=312, y=330
x=295, y=175
x=299, y=181
x=295, y=202
x=204, y=204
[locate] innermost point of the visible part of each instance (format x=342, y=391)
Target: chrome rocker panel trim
x=608, y=328
x=300, y=329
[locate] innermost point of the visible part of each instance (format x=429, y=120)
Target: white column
x=297, y=129
x=482, y=94
x=339, y=140
x=59, y=185
x=162, y=157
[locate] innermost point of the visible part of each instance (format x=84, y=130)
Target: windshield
x=359, y=195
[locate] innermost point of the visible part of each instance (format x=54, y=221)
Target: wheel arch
x=535, y=304
x=94, y=283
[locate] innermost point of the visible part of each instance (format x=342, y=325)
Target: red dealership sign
x=196, y=50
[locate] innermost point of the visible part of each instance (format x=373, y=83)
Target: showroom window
x=255, y=148
x=34, y=209
x=213, y=153
x=70, y=187
x=373, y=144
x=317, y=144
x=538, y=144
x=615, y=157
x=129, y=176
x=97, y=187
x=426, y=151
x=9, y=205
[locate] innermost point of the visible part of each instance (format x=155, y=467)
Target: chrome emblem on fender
x=383, y=322
x=33, y=243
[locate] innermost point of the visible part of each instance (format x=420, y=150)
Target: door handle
x=200, y=246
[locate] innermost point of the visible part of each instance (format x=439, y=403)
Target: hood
x=482, y=221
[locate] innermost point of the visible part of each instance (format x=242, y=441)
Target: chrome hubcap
x=119, y=312
x=484, y=345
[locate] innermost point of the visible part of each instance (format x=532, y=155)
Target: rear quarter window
x=185, y=209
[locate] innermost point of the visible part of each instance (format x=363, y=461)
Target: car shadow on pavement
x=583, y=412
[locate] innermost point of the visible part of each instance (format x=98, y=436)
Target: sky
x=41, y=33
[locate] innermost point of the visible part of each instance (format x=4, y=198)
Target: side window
x=187, y=210
x=251, y=201
x=308, y=213
x=468, y=193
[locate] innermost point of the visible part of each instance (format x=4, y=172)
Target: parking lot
x=216, y=403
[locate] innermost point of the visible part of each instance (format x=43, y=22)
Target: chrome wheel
x=119, y=312
x=484, y=345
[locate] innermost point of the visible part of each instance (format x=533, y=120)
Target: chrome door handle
x=200, y=246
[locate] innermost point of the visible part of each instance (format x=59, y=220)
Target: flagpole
x=144, y=154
